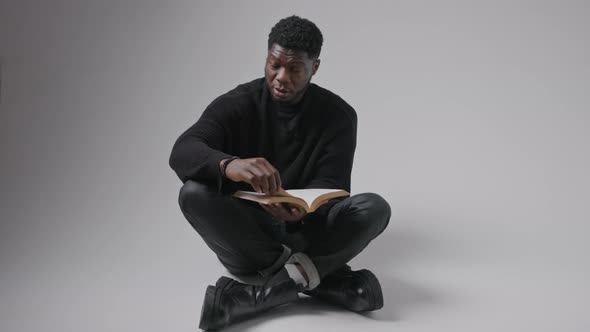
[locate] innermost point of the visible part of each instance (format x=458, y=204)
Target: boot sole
x=374, y=288
x=211, y=302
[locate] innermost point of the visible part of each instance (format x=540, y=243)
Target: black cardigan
x=238, y=123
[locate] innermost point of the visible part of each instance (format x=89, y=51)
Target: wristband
x=225, y=163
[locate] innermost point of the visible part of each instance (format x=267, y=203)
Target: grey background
x=473, y=123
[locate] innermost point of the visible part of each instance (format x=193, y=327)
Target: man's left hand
x=285, y=212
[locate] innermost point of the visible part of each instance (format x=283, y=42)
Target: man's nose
x=282, y=75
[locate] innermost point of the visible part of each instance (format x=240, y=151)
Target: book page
x=308, y=195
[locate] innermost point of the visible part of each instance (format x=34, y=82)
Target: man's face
x=288, y=73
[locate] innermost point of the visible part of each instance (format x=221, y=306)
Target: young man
x=277, y=132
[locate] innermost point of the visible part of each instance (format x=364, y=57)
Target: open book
x=307, y=199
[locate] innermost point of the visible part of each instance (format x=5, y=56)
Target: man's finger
x=296, y=211
x=264, y=186
x=270, y=171
x=286, y=211
x=272, y=186
x=270, y=209
x=265, y=207
x=265, y=183
x=275, y=211
x=276, y=178
x=269, y=174
x=256, y=186
x=259, y=178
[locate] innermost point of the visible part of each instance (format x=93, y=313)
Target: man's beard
x=296, y=97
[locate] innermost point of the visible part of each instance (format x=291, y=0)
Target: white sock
x=296, y=275
x=308, y=267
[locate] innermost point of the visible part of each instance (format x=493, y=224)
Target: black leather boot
x=356, y=291
x=230, y=301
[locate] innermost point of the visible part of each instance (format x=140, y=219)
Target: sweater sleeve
x=196, y=154
x=333, y=169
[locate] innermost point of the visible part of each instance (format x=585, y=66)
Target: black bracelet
x=225, y=163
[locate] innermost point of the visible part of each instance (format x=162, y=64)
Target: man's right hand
x=258, y=172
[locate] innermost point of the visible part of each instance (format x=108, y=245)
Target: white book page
x=308, y=195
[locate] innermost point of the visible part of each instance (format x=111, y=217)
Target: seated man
x=280, y=131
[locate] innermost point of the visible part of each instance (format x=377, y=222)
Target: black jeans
x=248, y=240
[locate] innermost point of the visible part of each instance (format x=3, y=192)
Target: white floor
x=474, y=124
x=150, y=274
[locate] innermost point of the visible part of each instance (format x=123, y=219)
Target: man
x=277, y=132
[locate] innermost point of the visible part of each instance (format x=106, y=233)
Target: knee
x=373, y=209
x=194, y=194
x=236, y=265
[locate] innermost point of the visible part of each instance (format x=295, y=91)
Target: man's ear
x=316, y=65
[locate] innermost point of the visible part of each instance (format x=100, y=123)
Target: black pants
x=248, y=240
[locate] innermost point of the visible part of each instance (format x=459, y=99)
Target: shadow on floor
x=401, y=297
x=306, y=306
x=390, y=253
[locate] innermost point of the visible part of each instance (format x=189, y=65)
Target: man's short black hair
x=297, y=33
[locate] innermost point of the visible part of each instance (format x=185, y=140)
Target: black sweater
x=240, y=123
